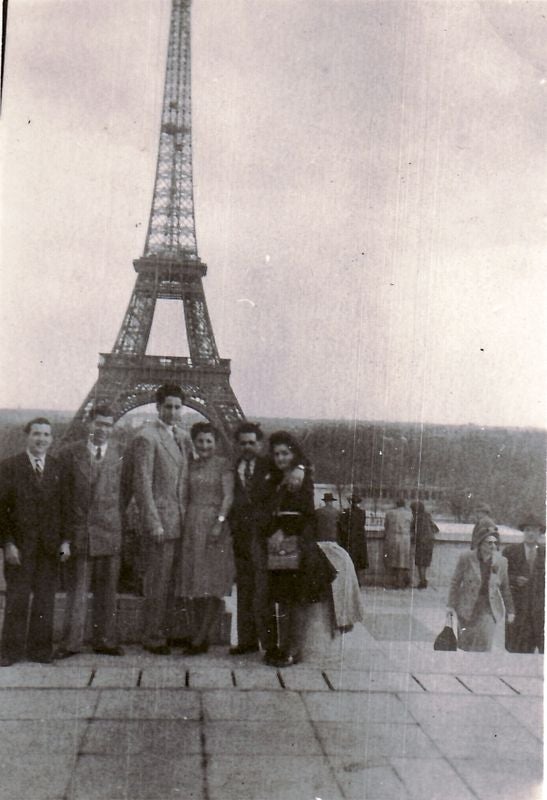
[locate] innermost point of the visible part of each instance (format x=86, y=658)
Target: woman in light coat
x=479, y=593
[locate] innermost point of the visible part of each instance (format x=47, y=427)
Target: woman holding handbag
x=297, y=575
x=480, y=593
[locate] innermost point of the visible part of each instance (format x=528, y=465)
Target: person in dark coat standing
x=327, y=519
x=91, y=473
x=422, y=532
x=351, y=532
x=31, y=527
x=526, y=565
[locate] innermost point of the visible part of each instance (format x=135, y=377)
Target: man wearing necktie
x=526, y=568
x=31, y=527
x=93, y=502
x=160, y=481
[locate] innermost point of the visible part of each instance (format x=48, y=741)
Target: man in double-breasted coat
x=160, y=480
x=30, y=518
x=526, y=566
x=91, y=472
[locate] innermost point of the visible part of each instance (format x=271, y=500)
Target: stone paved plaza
x=387, y=718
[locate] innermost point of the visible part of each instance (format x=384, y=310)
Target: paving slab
x=374, y=743
x=527, y=710
x=441, y=684
x=162, y=736
x=466, y=741
x=253, y=705
x=359, y=781
x=373, y=681
x=257, y=678
x=352, y=707
x=487, y=684
x=301, y=679
x=45, y=736
x=211, y=678
x=35, y=777
x=458, y=710
x=172, y=676
x=147, y=704
x=40, y=676
x=44, y=703
x=116, y=677
x=271, y=778
x=493, y=779
x=268, y=738
x=434, y=779
x=525, y=684
x=137, y=777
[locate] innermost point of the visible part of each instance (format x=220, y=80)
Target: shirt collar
x=33, y=459
x=94, y=447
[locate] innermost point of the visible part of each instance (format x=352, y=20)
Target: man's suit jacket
x=92, y=499
x=466, y=583
x=30, y=508
x=523, y=596
x=160, y=479
x=246, y=511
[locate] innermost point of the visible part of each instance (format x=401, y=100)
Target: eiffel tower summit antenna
x=170, y=269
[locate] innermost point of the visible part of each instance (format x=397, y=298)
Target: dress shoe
x=243, y=649
x=422, y=585
x=63, y=653
x=196, y=649
x=41, y=659
x=5, y=661
x=157, y=649
x=105, y=650
x=184, y=641
x=271, y=657
x=286, y=661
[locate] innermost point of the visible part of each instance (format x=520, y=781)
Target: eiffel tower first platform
x=170, y=269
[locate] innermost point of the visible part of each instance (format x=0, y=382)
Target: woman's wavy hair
x=286, y=438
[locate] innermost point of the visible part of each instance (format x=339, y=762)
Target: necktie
x=38, y=469
x=98, y=454
x=247, y=474
x=176, y=438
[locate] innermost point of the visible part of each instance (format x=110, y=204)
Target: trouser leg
x=14, y=632
x=246, y=621
x=157, y=591
x=105, y=597
x=79, y=582
x=44, y=585
x=263, y=606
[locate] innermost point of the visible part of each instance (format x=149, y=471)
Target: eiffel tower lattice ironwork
x=169, y=269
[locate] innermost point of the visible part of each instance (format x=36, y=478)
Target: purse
x=446, y=640
x=284, y=555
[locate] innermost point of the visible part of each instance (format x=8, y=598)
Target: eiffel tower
x=170, y=269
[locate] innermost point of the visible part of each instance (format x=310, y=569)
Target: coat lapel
x=169, y=443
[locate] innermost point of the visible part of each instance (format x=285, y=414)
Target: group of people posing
x=203, y=522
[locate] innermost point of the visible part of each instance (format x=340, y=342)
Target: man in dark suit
x=351, y=532
x=160, y=480
x=526, y=567
x=254, y=611
x=30, y=508
x=91, y=473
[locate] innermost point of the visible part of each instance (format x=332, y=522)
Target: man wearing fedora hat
x=327, y=519
x=351, y=532
x=526, y=567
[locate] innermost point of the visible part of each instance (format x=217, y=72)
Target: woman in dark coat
x=290, y=512
x=422, y=531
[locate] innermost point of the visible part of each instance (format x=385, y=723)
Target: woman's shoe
x=287, y=661
x=422, y=584
x=196, y=649
x=271, y=657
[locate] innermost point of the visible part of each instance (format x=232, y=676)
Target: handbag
x=284, y=555
x=446, y=640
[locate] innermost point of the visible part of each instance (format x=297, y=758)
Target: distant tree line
x=503, y=466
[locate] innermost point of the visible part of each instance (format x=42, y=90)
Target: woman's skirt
x=477, y=635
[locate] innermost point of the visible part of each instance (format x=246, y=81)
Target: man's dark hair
x=169, y=390
x=249, y=427
x=100, y=410
x=202, y=427
x=36, y=421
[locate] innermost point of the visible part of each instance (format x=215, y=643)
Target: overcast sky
x=369, y=189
